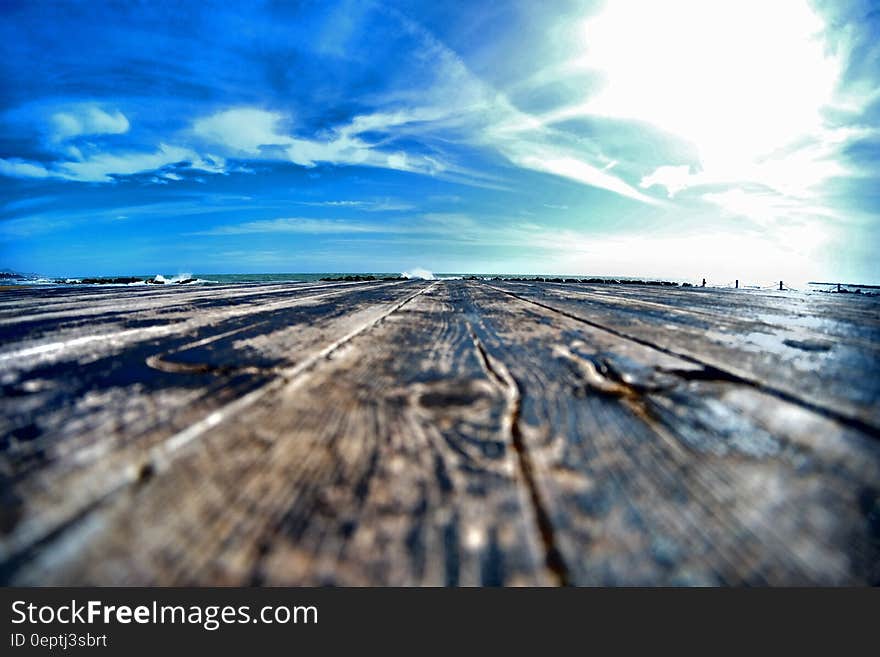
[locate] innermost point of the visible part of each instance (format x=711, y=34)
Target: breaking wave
x=418, y=272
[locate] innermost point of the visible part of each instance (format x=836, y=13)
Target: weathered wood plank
x=88, y=313
x=18, y=306
x=445, y=433
x=80, y=426
x=388, y=463
x=845, y=317
x=649, y=470
x=834, y=374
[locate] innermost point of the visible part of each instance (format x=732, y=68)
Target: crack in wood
x=172, y=367
x=552, y=555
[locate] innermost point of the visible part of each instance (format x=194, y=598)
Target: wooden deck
x=439, y=433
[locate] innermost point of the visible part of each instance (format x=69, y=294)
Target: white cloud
x=799, y=172
x=250, y=131
x=101, y=167
x=15, y=168
x=763, y=207
x=258, y=133
x=242, y=129
x=87, y=120
x=335, y=204
x=386, y=205
x=294, y=225
x=461, y=226
x=344, y=150
x=345, y=145
x=397, y=161
x=673, y=178
x=389, y=206
x=575, y=169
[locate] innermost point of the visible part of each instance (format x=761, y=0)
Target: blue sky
x=678, y=139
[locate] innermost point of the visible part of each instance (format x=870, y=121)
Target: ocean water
x=188, y=279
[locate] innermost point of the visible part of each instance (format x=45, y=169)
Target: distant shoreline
x=14, y=280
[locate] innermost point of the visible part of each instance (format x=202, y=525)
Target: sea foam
x=418, y=272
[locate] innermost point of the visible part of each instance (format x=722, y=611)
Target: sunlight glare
x=736, y=79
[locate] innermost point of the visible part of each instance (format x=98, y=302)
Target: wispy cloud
x=385, y=205
x=103, y=167
x=87, y=120
x=460, y=225
x=243, y=130
x=294, y=225
x=583, y=172
x=257, y=132
x=16, y=168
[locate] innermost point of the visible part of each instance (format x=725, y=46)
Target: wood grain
x=808, y=356
x=651, y=471
x=438, y=433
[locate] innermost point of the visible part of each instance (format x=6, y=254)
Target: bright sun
x=736, y=79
